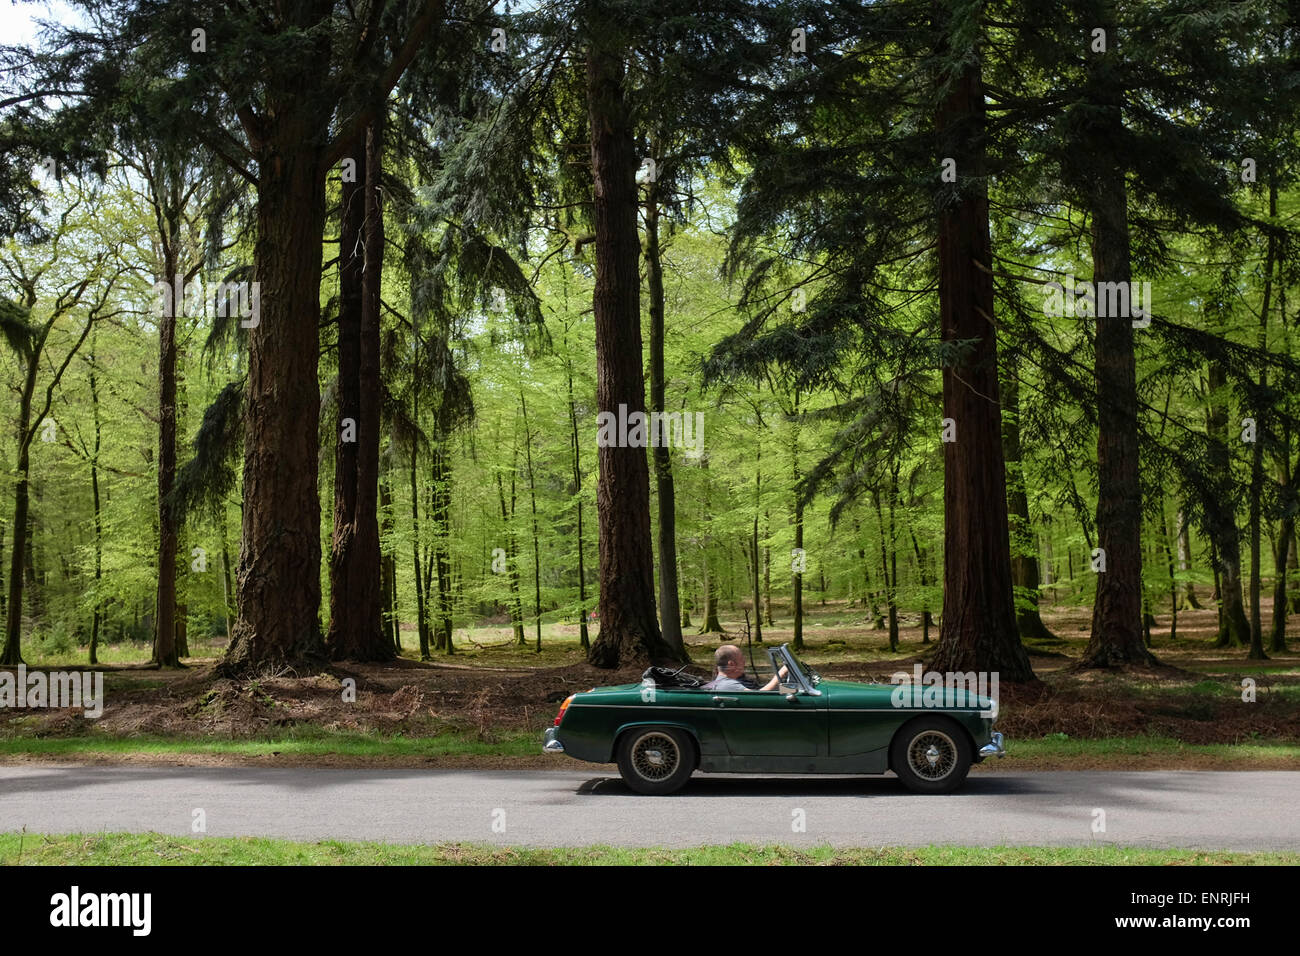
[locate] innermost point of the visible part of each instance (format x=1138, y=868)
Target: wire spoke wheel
x=932, y=755
x=655, y=756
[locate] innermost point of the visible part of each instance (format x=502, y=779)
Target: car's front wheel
x=656, y=760
x=930, y=755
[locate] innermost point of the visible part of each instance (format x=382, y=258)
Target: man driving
x=731, y=669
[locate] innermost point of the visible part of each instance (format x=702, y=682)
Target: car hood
x=842, y=693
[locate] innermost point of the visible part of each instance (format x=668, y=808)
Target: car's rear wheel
x=656, y=760
x=930, y=755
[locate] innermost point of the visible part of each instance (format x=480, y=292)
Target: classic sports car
x=661, y=730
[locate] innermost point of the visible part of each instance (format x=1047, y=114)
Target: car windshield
x=807, y=671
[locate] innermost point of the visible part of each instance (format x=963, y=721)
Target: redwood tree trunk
x=278, y=581
x=978, y=626
x=629, y=627
x=356, y=593
x=1117, y=622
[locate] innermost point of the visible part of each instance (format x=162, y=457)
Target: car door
x=770, y=723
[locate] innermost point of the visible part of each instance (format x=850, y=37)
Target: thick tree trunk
x=1117, y=629
x=669, y=607
x=278, y=581
x=629, y=626
x=356, y=594
x=978, y=626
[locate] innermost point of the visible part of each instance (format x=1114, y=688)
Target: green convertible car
x=663, y=729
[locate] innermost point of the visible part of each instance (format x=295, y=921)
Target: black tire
x=930, y=754
x=656, y=760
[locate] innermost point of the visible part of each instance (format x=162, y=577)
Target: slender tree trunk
x=978, y=627
x=227, y=588
x=164, y=644
x=1257, y=451
x=421, y=595
x=98, y=617
x=537, y=550
x=629, y=626
x=796, y=574
x=576, y=444
x=516, y=605
x=441, y=513
x=1187, y=597
x=669, y=606
x=1024, y=553
x=388, y=567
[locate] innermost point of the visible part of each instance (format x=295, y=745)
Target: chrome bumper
x=552, y=746
x=994, y=748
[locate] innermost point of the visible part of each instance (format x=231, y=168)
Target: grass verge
x=153, y=849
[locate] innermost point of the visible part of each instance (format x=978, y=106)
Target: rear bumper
x=551, y=745
x=994, y=748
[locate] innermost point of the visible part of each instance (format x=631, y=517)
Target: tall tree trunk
x=1024, y=550
x=1257, y=451
x=978, y=626
x=669, y=607
x=796, y=573
x=516, y=605
x=441, y=512
x=421, y=593
x=1187, y=596
x=278, y=581
x=1221, y=521
x=537, y=549
x=629, y=626
x=164, y=643
x=18, y=557
x=1117, y=629
x=388, y=566
x=98, y=618
x=356, y=594
x=584, y=638
x=227, y=587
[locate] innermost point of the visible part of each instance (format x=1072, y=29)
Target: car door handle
x=725, y=700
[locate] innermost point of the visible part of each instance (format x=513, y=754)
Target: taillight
x=563, y=707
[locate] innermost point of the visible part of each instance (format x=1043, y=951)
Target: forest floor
x=487, y=705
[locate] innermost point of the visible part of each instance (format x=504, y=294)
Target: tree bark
x=278, y=581
x=978, y=625
x=356, y=629
x=669, y=606
x=1024, y=551
x=164, y=643
x=1117, y=629
x=629, y=626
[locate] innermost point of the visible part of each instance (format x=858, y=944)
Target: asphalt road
x=1191, y=809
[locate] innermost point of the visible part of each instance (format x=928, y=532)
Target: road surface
x=577, y=806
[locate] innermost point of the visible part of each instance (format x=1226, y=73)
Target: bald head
x=728, y=659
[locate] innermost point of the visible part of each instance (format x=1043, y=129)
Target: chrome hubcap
x=932, y=755
x=655, y=756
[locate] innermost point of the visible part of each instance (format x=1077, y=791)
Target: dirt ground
x=1194, y=696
